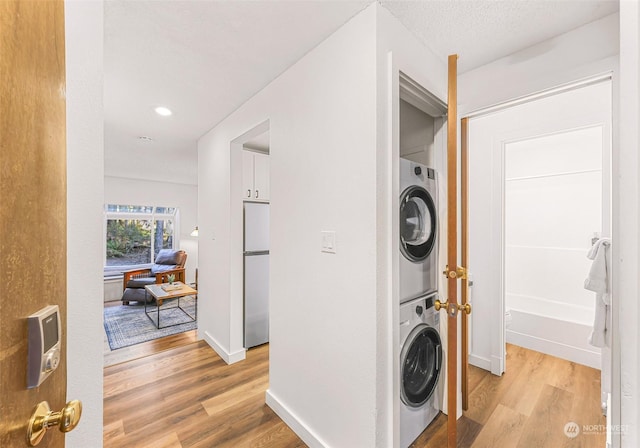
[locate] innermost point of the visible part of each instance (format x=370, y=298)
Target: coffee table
x=160, y=295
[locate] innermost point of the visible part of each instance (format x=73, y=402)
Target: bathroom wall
x=553, y=206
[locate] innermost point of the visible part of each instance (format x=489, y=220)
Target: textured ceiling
x=482, y=31
x=203, y=59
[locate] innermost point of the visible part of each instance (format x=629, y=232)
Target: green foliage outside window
x=127, y=235
x=130, y=239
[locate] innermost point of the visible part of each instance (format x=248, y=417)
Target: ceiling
x=203, y=59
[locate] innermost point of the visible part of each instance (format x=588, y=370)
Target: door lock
x=44, y=418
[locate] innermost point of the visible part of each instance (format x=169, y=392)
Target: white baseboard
x=227, y=357
x=293, y=421
x=480, y=362
x=553, y=348
x=555, y=337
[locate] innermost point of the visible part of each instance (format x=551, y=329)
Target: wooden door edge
x=464, y=230
x=452, y=249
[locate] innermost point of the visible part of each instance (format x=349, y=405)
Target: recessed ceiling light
x=164, y=111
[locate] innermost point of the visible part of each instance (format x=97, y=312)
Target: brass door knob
x=44, y=418
x=454, y=308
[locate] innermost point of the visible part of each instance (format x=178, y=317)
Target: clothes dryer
x=420, y=364
x=418, y=213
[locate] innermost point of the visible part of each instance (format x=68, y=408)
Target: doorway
x=250, y=219
x=539, y=196
x=256, y=197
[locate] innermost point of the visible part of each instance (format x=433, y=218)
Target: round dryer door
x=421, y=359
x=417, y=223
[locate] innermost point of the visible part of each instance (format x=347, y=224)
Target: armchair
x=167, y=262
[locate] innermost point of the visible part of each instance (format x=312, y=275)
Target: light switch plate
x=328, y=241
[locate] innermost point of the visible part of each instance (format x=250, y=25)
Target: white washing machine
x=418, y=230
x=420, y=364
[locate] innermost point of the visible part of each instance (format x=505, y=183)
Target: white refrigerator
x=256, y=274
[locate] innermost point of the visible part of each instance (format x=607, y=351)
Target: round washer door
x=417, y=223
x=421, y=359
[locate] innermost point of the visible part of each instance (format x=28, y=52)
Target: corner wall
x=85, y=147
x=626, y=192
x=322, y=119
x=586, y=51
x=398, y=50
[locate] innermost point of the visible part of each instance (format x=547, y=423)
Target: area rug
x=129, y=325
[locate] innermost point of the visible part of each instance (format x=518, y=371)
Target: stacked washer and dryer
x=421, y=348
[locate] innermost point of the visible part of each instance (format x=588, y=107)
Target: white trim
x=540, y=176
x=152, y=180
x=480, y=362
x=584, y=82
x=293, y=421
x=554, y=348
x=229, y=358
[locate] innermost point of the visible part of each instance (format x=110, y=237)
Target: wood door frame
x=452, y=251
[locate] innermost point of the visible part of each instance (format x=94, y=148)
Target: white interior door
x=538, y=125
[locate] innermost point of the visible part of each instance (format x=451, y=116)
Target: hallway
x=188, y=397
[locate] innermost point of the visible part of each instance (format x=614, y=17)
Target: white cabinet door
x=247, y=175
x=255, y=176
x=261, y=177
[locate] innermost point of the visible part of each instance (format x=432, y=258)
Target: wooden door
x=32, y=204
x=453, y=272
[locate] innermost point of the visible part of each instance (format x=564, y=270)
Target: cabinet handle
x=248, y=193
x=257, y=194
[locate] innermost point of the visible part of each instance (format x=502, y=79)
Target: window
x=134, y=234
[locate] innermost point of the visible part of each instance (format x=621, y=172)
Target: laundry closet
x=422, y=135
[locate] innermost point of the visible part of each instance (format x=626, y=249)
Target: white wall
x=322, y=122
x=332, y=346
x=143, y=161
x=587, y=50
x=625, y=228
x=119, y=190
x=553, y=206
x=398, y=50
x=84, y=67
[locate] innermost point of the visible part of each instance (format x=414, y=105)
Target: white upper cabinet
x=255, y=176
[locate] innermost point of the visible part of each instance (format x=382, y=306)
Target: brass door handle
x=44, y=418
x=452, y=308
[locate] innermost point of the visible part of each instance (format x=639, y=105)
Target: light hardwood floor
x=188, y=397
x=527, y=407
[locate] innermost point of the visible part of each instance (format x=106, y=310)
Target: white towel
x=598, y=282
